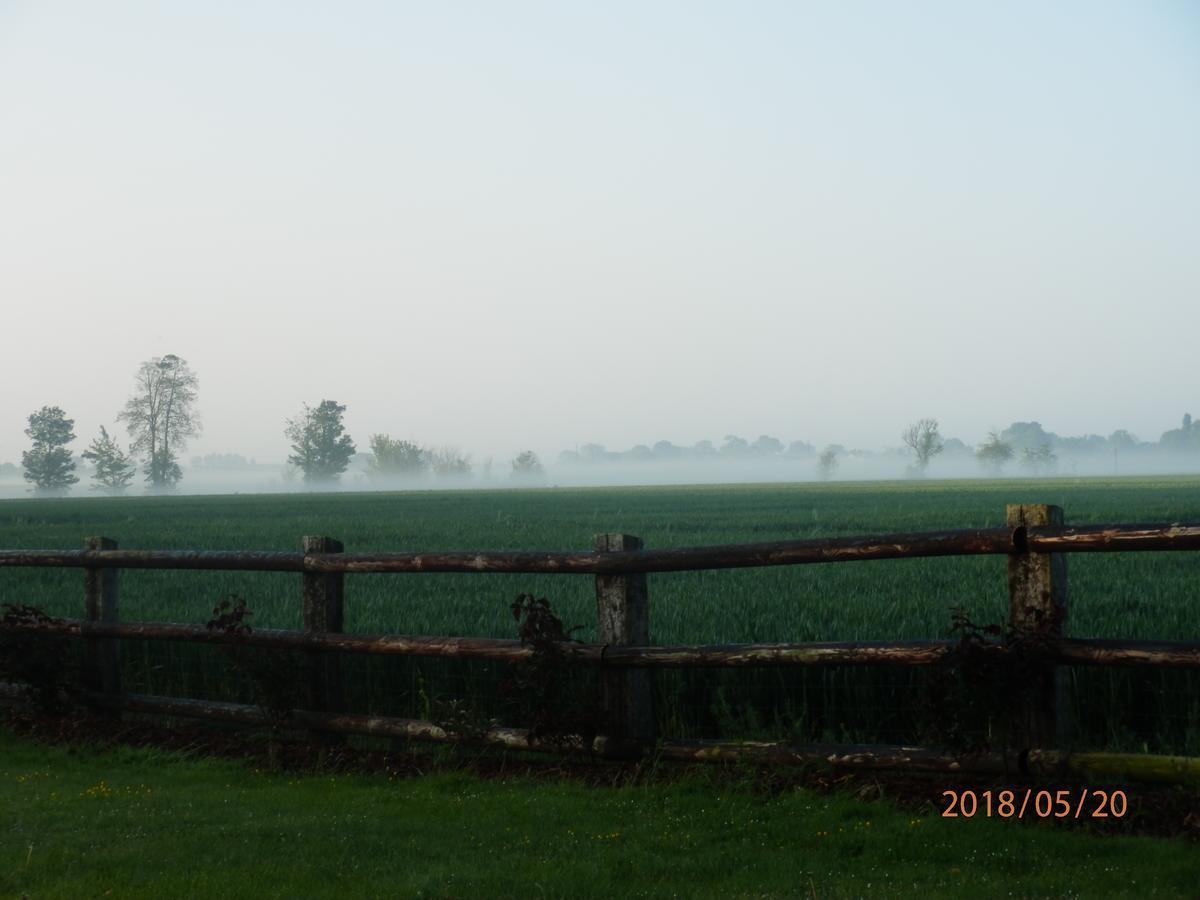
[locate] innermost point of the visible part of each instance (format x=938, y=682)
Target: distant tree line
x=1027, y=445
x=160, y=417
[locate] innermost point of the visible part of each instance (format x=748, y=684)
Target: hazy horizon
x=537, y=226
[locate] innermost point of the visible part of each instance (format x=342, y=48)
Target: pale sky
x=510, y=225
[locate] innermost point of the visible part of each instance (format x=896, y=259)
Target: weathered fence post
x=1037, y=591
x=623, y=619
x=102, y=602
x=323, y=614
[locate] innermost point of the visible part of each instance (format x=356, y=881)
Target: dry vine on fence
x=545, y=691
x=272, y=674
x=978, y=695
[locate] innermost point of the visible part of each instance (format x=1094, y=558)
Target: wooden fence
x=1034, y=540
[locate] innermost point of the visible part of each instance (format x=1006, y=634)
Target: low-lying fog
x=850, y=466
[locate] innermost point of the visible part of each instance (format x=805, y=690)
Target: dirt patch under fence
x=1165, y=811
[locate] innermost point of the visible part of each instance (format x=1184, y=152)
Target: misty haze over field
x=643, y=466
x=528, y=227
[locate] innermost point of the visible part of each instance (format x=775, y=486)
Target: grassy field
x=1145, y=595
x=143, y=823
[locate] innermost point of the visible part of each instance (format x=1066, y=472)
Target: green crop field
x=1142, y=595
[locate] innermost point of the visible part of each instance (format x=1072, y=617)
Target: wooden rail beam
x=1071, y=651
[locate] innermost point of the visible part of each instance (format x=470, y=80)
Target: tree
x=735, y=446
x=1027, y=434
x=449, y=462
x=767, y=445
x=114, y=468
x=321, y=449
x=1185, y=439
x=1122, y=440
x=402, y=459
x=666, y=450
x=48, y=463
x=827, y=463
x=994, y=453
x=923, y=439
x=639, y=453
x=160, y=417
x=527, y=465
x=594, y=453
x=801, y=450
x=1039, y=460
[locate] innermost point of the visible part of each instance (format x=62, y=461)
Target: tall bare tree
x=827, y=463
x=925, y=441
x=161, y=416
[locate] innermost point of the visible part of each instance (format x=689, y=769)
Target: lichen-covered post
x=323, y=615
x=623, y=619
x=101, y=598
x=1037, y=590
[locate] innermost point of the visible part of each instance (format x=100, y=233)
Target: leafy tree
x=667, y=450
x=1181, y=440
x=640, y=453
x=395, y=458
x=321, y=449
x=953, y=447
x=735, y=446
x=827, y=463
x=593, y=453
x=1027, y=434
x=1123, y=441
x=1039, y=460
x=527, y=465
x=994, y=453
x=801, y=450
x=161, y=416
x=767, y=445
x=449, y=462
x=114, y=468
x=923, y=438
x=704, y=448
x=48, y=463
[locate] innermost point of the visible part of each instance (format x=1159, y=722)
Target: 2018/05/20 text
x=1045, y=804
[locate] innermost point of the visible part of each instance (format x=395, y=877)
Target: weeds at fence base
x=977, y=696
x=272, y=674
x=545, y=692
x=37, y=660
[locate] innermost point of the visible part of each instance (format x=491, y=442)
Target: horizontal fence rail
x=811, y=653
x=1035, y=762
x=976, y=542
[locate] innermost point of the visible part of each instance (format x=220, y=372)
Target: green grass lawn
x=85, y=822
